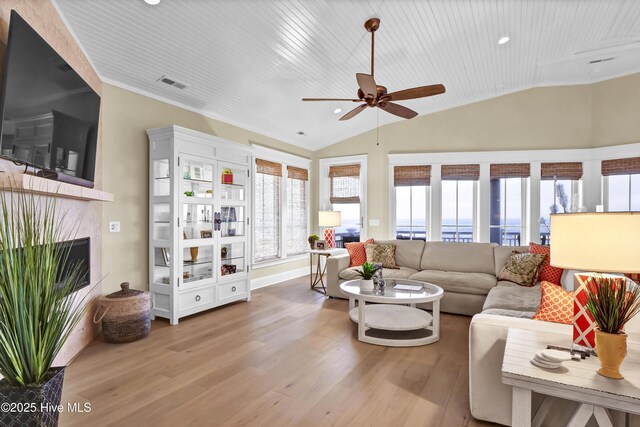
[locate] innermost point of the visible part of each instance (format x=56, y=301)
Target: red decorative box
x=227, y=178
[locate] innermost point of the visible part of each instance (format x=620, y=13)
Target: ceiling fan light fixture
x=503, y=39
x=337, y=111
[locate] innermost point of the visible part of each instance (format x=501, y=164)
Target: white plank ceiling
x=250, y=62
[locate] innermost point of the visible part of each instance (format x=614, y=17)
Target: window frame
x=393, y=213
x=324, y=186
x=605, y=191
x=524, y=209
x=285, y=159
x=474, y=208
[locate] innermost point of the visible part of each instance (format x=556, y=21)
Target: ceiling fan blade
x=397, y=110
x=331, y=99
x=367, y=85
x=416, y=92
x=354, y=112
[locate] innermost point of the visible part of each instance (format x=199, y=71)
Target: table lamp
x=328, y=220
x=593, y=242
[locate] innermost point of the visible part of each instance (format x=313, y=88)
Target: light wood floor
x=288, y=357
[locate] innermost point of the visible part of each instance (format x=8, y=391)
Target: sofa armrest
x=335, y=264
x=487, y=339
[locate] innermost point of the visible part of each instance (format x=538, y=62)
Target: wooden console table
x=317, y=279
x=574, y=380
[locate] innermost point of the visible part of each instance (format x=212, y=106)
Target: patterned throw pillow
x=521, y=268
x=357, y=252
x=547, y=272
x=556, y=304
x=384, y=254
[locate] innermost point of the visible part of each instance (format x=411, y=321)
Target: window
x=560, y=192
x=345, y=197
x=508, y=190
x=281, y=212
x=296, y=223
x=411, y=186
x=459, y=202
x=267, y=210
x=622, y=184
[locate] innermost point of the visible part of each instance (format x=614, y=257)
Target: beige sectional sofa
x=466, y=271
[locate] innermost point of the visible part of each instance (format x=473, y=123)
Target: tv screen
x=49, y=113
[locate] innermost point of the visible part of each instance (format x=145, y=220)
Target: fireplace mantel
x=48, y=187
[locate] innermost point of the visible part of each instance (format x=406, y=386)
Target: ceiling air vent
x=597, y=61
x=170, y=82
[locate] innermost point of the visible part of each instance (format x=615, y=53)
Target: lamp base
x=330, y=237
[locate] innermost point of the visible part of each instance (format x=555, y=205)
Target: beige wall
x=126, y=117
x=578, y=116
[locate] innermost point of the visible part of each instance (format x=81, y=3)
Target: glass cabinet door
x=161, y=178
x=232, y=260
x=232, y=182
x=197, y=220
x=197, y=178
x=232, y=221
x=198, y=263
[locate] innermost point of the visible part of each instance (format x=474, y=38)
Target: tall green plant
x=38, y=310
x=611, y=303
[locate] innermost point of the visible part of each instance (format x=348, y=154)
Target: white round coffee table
x=395, y=311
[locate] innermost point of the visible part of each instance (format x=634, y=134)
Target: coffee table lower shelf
x=394, y=318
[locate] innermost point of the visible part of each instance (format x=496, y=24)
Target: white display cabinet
x=199, y=205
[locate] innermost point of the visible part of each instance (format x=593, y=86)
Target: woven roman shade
x=406, y=176
x=460, y=172
x=268, y=168
x=345, y=183
x=627, y=166
x=561, y=170
x=298, y=173
x=510, y=170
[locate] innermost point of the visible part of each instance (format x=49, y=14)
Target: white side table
x=317, y=279
x=575, y=380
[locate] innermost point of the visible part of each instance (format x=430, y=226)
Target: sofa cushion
x=522, y=268
x=381, y=254
x=387, y=273
x=556, y=304
x=513, y=297
x=357, y=253
x=461, y=257
x=408, y=252
x=502, y=253
x=453, y=281
x=548, y=273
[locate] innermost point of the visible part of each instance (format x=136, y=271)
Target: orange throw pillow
x=357, y=253
x=556, y=304
x=547, y=272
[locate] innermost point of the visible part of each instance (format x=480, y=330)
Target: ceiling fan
x=374, y=95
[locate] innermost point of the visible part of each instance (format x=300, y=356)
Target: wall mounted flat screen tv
x=49, y=114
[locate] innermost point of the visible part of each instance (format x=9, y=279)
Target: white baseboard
x=262, y=282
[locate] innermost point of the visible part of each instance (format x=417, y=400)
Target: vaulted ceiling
x=249, y=62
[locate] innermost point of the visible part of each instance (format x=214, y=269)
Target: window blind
x=297, y=173
x=345, y=183
x=296, y=228
x=628, y=166
x=406, y=176
x=460, y=172
x=510, y=170
x=268, y=168
x=561, y=170
x=267, y=215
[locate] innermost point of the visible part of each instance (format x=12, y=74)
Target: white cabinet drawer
x=232, y=289
x=197, y=297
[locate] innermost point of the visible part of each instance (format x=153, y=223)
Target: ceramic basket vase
x=366, y=285
x=611, y=348
x=48, y=395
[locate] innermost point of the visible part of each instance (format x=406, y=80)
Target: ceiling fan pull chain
x=373, y=38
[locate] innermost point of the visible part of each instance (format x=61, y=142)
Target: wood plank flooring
x=290, y=357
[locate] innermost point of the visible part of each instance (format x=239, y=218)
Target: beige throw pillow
x=384, y=254
x=522, y=268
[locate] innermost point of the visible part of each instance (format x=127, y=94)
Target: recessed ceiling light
x=152, y=2
x=300, y=133
x=503, y=39
x=337, y=111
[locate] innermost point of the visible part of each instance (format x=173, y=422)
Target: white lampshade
x=329, y=219
x=600, y=242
